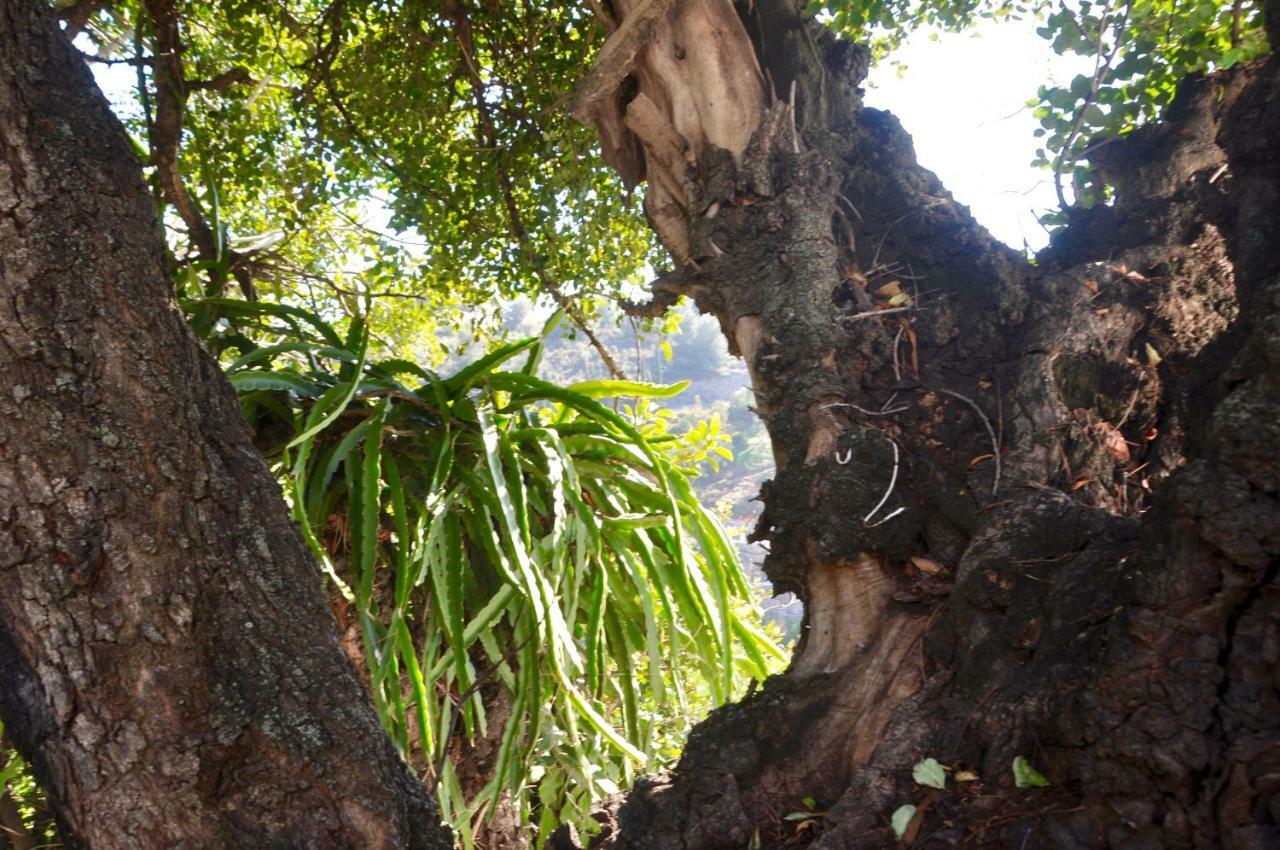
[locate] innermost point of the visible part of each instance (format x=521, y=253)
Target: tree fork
x=168, y=663
x=1025, y=512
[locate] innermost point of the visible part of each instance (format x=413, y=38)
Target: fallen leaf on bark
x=927, y=566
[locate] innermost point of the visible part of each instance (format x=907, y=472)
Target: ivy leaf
x=930, y=774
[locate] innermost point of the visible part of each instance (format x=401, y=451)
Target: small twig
x=795, y=139
x=487, y=133
x=1100, y=69
x=606, y=20
x=885, y=411
x=893, y=481
x=1136, y=470
x=78, y=15
x=872, y=313
x=482, y=679
x=222, y=82
x=1128, y=410
x=999, y=411
x=876, y=258
x=886, y=518
x=848, y=202
x=897, y=340
x=995, y=444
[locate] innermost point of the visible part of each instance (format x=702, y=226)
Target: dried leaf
x=890, y=289
x=928, y=566
x=1112, y=440
x=915, y=348
x=966, y=776
x=1091, y=285
x=1153, y=356
x=855, y=277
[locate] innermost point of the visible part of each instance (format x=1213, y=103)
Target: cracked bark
x=1110, y=609
x=168, y=663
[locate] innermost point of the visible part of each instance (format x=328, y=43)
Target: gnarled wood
x=693, y=86
x=1099, y=592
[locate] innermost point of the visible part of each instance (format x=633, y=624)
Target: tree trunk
x=1032, y=510
x=167, y=662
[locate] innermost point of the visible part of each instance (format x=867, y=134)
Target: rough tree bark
x=167, y=662
x=1036, y=512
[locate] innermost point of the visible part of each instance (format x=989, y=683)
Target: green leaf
x=547, y=542
x=901, y=819
x=930, y=774
x=288, y=381
x=466, y=377
x=233, y=306
x=1026, y=776
x=267, y=352
x=637, y=389
x=330, y=405
x=370, y=510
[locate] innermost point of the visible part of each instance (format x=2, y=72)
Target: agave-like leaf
x=495, y=531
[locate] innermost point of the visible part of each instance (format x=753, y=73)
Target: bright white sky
x=963, y=99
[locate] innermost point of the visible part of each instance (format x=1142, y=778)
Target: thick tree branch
x=135, y=61
x=223, y=81
x=76, y=16
x=1101, y=65
x=171, y=90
